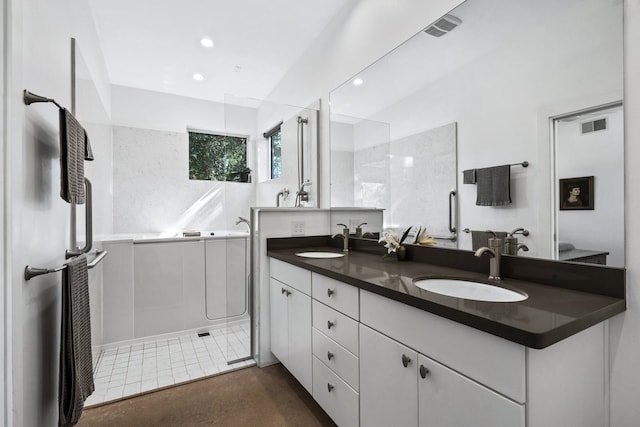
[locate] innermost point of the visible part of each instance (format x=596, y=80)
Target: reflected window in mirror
x=275, y=152
x=216, y=157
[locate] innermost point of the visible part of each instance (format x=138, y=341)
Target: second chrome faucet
x=345, y=237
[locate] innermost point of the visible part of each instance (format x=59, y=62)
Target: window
x=274, y=136
x=218, y=157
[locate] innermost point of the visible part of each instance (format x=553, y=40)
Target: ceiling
x=155, y=44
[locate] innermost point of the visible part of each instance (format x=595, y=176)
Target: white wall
x=152, y=189
x=371, y=28
x=38, y=35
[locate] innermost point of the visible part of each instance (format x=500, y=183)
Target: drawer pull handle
x=330, y=324
x=330, y=292
x=405, y=360
x=329, y=355
x=424, y=371
x=330, y=387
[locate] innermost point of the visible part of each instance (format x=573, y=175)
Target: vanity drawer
x=337, y=326
x=341, y=296
x=337, y=358
x=335, y=396
x=296, y=277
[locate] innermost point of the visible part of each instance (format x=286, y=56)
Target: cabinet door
x=388, y=389
x=447, y=398
x=279, y=329
x=299, y=324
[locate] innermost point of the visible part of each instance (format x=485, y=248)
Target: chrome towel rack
x=523, y=232
x=30, y=272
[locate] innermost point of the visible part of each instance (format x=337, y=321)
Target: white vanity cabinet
x=336, y=311
x=400, y=386
x=290, y=319
x=472, y=377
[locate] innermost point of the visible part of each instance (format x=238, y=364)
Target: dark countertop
x=552, y=312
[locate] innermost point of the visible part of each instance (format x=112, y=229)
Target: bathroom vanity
x=376, y=350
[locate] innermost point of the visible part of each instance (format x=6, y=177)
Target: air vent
x=443, y=26
x=593, y=125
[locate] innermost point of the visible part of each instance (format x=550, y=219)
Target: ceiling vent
x=443, y=26
x=593, y=125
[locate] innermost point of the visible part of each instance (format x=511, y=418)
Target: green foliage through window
x=276, y=154
x=218, y=157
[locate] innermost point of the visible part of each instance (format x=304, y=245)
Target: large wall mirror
x=493, y=83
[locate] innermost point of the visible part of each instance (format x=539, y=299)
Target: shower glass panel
x=360, y=164
x=298, y=150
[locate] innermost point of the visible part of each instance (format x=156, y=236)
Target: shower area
x=174, y=309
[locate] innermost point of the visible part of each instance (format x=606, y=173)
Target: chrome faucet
x=285, y=195
x=302, y=195
x=246, y=221
x=345, y=237
x=494, y=251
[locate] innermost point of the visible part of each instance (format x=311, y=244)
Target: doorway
x=589, y=186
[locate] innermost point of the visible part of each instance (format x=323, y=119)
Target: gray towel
x=72, y=153
x=76, y=366
x=469, y=176
x=480, y=238
x=493, y=186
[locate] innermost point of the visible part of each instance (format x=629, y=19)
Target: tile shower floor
x=137, y=368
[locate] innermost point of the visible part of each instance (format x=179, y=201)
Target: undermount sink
x=470, y=290
x=320, y=254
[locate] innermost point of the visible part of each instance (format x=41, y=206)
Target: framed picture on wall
x=576, y=193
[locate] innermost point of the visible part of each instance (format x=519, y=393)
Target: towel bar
x=29, y=98
x=523, y=232
x=30, y=272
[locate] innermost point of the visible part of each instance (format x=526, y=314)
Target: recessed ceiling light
x=206, y=42
x=198, y=77
x=357, y=81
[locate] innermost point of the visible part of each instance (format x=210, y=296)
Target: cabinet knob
x=424, y=371
x=405, y=360
x=329, y=355
x=330, y=324
x=288, y=293
x=330, y=292
x=283, y=290
x=330, y=387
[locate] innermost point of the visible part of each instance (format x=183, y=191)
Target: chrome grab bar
x=88, y=224
x=452, y=194
x=30, y=272
x=454, y=235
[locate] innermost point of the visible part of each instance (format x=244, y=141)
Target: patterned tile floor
x=137, y=368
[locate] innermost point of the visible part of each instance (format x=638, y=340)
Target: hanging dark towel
x=469, y=176
x=88, y=152
x=72, y=154
x=76, y=366
x=480, y=238
x=493, y=186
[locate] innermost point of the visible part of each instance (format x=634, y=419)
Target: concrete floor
x=249, y=397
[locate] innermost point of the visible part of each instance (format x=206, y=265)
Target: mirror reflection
x=285, y=139
x=502, y=77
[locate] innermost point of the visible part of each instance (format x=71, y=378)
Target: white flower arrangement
x=392, y=242
x=423, y=238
